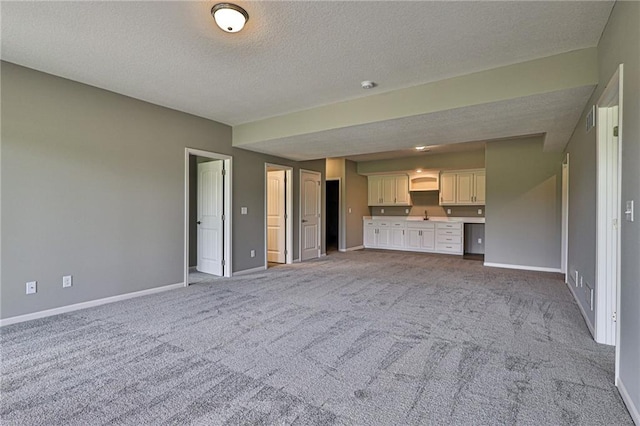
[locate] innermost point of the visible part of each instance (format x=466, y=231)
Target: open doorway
x=608, y=158
x=333, y=214
x=207, y=235
x=278, y=215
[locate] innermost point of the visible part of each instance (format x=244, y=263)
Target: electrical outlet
x=67, y=281
x=32, y=287
x=479, y=240
x=243, y=210
x=381, y=210
x=406, y=211
x=448, y=211
x=479, y=211
x=253, y=253
x=349, y=210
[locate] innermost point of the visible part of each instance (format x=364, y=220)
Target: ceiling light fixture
x=420, y=148
x=367, y=84
x=418, y=170
x=229, y=17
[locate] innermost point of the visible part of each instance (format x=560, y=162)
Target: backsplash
x=428, y=201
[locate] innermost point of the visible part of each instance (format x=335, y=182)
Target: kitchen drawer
x=383, y=223
x=457, y=232
x=449, y=239
x=421, y=225
x=450, y=226
x=449, y=248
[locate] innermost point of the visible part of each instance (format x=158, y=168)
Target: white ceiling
x=291, y=55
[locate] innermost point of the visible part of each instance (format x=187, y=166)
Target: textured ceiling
x=291, y=55
x=554, y=113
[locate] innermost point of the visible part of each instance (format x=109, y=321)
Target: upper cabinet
x=424, y=182
x=463, y=187
x=391, y=190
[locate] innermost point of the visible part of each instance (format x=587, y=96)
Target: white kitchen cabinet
x=391, y=190
x=420, y=236
x=463, y=187
x=449, y=238
x=377, y=234
x=397, y=235
x=447, y=188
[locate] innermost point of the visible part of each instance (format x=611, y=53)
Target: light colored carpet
x=362, y=338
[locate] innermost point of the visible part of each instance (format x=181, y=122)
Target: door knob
x=198, y=222
x=304, y=220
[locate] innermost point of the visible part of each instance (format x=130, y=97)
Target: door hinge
x=223, y=262
x=224, y=172
x=286, y=252
x=223, y=218
x=614, y=317
x=615, y=131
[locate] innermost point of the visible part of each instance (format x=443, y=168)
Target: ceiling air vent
x=591, y=119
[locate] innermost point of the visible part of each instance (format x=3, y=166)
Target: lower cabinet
x=433, y=237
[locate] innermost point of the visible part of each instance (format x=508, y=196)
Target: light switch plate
x=67, y=281
x=243, y=210
x=628, y=211
x=32, y=287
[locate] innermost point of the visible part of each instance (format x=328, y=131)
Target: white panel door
x=413, y=237
x=375, y=190
x=210, y=223
x=428, y=239
x=309, y=215
x=276, y=216
x=397, y=238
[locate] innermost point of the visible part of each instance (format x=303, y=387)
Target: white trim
x=85, y=305
x=564, y=261
x=626, y=397
x=352, y=249
x=288, y=211
x=584, y=313
x=228, y=198
x=522, y=267
x=250, y=271
x=322, y=255
x=608, y=198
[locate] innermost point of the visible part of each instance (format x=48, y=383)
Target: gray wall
x=449, y=161
x=523, y=217
x=93, y=186
x=620, y=43
x=429, y=201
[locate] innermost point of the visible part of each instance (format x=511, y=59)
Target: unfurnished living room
x=320, y=212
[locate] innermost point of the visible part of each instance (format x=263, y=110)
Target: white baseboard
x=351, y=249
x=85, y=305
x=250, y=271
x=633, y=410
x=522, y=267
x=592, y=330
x=323, y=254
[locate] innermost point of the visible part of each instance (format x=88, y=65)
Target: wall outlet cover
x=32, y=287
x=243, y=210
x=67, y=281
x=381, y=210
x=253, y=253
x=448, y=211
x=479, y=211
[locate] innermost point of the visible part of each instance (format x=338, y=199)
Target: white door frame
x=342, y=244
x=227, y=236
x=288, y=232
x=565, y=219
x=608, y=209
x=313, y=172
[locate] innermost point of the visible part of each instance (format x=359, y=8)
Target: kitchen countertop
x=431, y=219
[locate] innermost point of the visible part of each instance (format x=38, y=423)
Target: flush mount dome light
x=229, y=17
x=368, y=84
x=420, y=148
